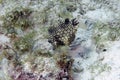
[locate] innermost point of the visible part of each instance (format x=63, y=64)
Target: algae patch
x=17, y=18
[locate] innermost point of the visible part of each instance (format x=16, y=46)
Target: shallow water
x=25, y=52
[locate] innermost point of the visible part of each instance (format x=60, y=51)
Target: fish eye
x=67, y=21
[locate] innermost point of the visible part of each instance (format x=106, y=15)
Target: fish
x=63, y=33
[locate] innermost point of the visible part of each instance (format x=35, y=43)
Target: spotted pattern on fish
x=63, y=34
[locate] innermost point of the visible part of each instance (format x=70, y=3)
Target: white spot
x=100, y=14
x=4, y=39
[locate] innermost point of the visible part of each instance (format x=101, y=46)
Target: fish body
x=63, y=34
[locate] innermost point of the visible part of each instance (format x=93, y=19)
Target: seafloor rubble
x=27, y=54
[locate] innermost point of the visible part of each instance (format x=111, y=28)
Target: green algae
x=1, y=1
x=41, y=53
x=25, y=43
x=17, y=18
x=98, y=67
x=104, y=32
